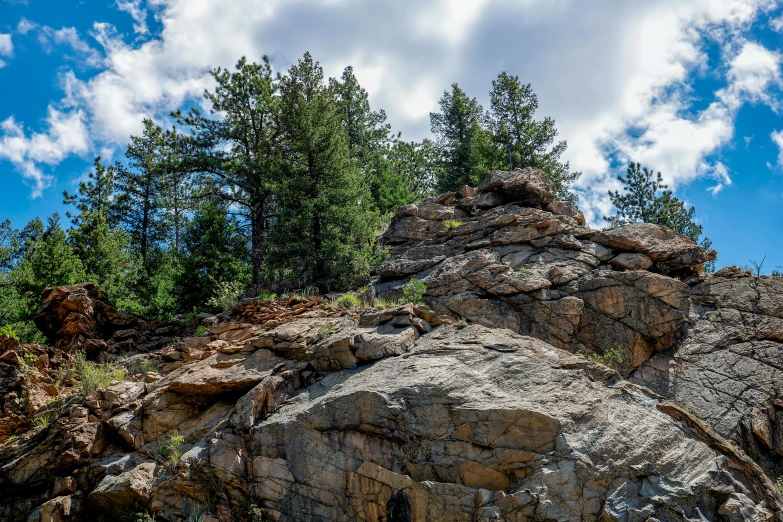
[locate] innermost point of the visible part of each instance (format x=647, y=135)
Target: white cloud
x=65, y=134
x=137, y=12
x=6, y=48
x=777, y=139
x=614, y=74
x=721, y=174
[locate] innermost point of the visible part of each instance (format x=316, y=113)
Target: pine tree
x=179, y=194
x=523, y=141
x=214, y=252
x=464, y=145
x=142, y=188
x=48, y=260
x=239, y=147
x=106, y=258
x=646, y=199
x=95, y=195
x=325, y=223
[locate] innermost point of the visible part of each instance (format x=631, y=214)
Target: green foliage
x=524, y=141
x=267, y=296
x=462, y=323
x=413, y=291
x=463, y=144
x=348, y=301
x=646, y=199
x=326, y=330
x=611, y=357
x=201, y=330
x=326, y=219
x=380, y=302
x=9, y=331
x=213, y=251
x=94, y=375
x=170, y=448
x=43, y=420
x=226, y=295
x=451, y=224
x=779, y=484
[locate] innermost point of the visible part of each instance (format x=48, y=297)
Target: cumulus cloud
x=6, y=48
x=65, y=134
x=777, y=139
x=137, y=12
x=615, y=75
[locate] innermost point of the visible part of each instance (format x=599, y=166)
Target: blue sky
x=688, y=87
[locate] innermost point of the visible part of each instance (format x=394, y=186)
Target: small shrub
x=226, y=295
x=611, y=357
x=96, y=375
x=326, y=330
x=779, y=484
x=348, y=301
x=452, y=224
x=264, y=296
x=201, y=330
x=149, y=366
x=462, y=323
x=143, y=516
x=9, y=331
x=43, y=420
x=380, y=302
x=413, y=291
x=170, y=450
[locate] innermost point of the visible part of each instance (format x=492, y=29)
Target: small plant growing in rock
x=452, y=224
x=611, y=357
x=201, y=330
x=9, y=331
x=266, y=296
x=413, y=291
x=149, y=366
x=326, y=330
x=96, y=375
x=43, y=420
x=226, y=295
x=462, y=323
x=380, y=302
x=779, y=484
x=347, y=301
x=170, y=450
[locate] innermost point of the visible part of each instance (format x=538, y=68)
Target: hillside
x=551, y=372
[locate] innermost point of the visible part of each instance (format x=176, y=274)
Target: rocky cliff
x=481, y=405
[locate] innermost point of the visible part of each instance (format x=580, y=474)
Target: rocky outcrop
x=729, y=368
x=511, y=256
x=386, y=415
x=80, y=317
x=294, y=409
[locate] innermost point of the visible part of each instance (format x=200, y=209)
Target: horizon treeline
x=286, y=181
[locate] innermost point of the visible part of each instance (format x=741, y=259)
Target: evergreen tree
x=646, y=199
x=48, y=261
x=238, y=147
x=95, y=195
x=142, y=189
x=9, y=246
x=106, y=258
x=523, y=141
x=464, y=145
x=178, y=196
x=214, y=251
x=325, y=223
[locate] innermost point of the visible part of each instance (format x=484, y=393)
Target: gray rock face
x=729, y=368
x=512, y=256
x=435, y=423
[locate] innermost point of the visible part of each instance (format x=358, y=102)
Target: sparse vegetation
x=170, y=449
x=413, y=291
x=201, y=330
x=380, y=302
x=779, y=484
x=611, y=357
x=452, y=224
x=267, y=296
x=96, y=375
x=326, y=330
x=9, y=331
x=226, y=295
x=462, y=323
x=347, y=301
x=43, y=420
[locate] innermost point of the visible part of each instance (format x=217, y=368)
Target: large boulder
x=513, y=256
x=81, y=317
